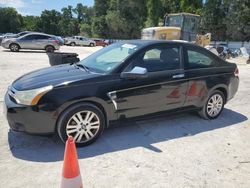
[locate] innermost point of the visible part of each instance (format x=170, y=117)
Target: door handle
x=179, y=76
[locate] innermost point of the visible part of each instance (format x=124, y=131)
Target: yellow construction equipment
x=179, y=26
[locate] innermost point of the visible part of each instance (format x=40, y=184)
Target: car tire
x=14, y=47
x=49, y=49
x=91, y=44
x=74, y=122
x=214, y=105
x=72, y=44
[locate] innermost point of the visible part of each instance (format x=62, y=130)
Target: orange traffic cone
x=71, y=177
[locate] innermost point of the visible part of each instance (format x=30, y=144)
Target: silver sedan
x=33, y=41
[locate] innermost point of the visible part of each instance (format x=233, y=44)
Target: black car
x=122, y=81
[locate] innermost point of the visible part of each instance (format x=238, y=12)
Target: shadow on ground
x=131, y=135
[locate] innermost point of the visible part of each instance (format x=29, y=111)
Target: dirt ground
x=178, y=151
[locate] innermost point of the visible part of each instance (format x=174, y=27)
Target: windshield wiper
x=82, y=66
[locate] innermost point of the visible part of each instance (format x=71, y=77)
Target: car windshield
x=108, y=58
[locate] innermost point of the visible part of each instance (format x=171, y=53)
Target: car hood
x=55, y=76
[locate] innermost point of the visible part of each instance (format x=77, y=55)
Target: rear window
x=198, y=59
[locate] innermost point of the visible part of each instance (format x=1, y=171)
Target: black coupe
x=124, y=80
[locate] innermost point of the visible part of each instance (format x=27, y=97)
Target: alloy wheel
x=214, y=105
x=14, y=48
x=83, y=126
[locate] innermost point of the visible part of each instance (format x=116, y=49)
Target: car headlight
x=29, y=97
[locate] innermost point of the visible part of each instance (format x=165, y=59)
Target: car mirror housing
x=136, y=72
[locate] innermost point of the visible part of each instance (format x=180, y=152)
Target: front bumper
x=29, y=119
x=5, y=45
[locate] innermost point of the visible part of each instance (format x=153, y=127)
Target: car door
x=203, y=72
x=26, y=41
x=40, y=41
x=77, y=41
x=85, y=42
x=163, y=89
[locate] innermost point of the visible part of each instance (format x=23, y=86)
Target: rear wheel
x=91, y=44
x=72, y=44
x=84, y=122
x=49, y=49
x=214, y=105
x=14, y=47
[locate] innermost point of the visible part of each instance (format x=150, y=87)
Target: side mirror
x=136, y=72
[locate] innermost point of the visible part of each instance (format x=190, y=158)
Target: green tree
x=30, y=23
x=154, y=8
x=238, y=20
x=171, y=6
x=125, y=19
x=10, y=20
x=85, y=30
x=49, y=22
x=213, y=19
x=191, y=6
x=84, y=13
x=68, y=25
x=99, y=25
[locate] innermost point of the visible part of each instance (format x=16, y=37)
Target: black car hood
x=55, y=76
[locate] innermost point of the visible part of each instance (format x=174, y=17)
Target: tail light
x=236, y=72
x=56, y=41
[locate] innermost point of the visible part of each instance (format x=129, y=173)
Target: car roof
x=150, y=42
x=36, y=33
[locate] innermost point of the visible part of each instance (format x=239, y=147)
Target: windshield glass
x=106, y=59
x=174, y=21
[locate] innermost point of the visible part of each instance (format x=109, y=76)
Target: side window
x=42, y=37
x=198, y=60
x=29, y=37
x=157, y=59
x=152, y=54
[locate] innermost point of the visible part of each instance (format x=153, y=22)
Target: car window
x=114, y=55
x=157, y=59
x=29, y=37
x=198, y=60
x=41, y=37
x=152, y=54
x=106, y=59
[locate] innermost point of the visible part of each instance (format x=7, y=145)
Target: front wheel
x=213, y=106
x=91, y=44
x=84, y=122
x=14, y=47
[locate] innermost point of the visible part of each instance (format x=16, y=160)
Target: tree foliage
x=238, y=20
x=154, y=8
x=213, y=19
x=10, y=20
x=124, y=19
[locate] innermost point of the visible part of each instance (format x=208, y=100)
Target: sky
x=35, y=7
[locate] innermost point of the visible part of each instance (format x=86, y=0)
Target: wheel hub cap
x=215, y=104
x=83, y=126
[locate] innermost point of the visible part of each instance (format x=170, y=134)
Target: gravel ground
x=175, y=151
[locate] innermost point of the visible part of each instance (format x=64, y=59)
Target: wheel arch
x=221, y=87
x=14, y=43
x=96, y=103
x=49, y=45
